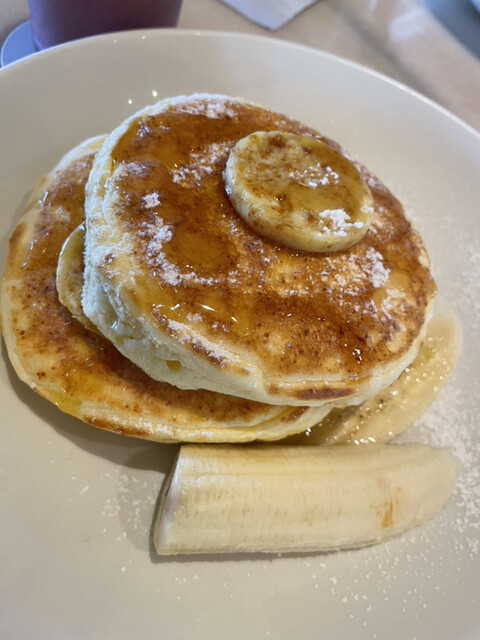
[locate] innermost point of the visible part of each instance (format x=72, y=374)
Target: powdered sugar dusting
x=470, y=278
x=337, y=222
x=156, y=235
x=448, y=424
x=211, y=107
x=374, y=268
x=151, y=200
x=161, y=233
x=201, y=164
x=314, y=176
x=194, y=317
x=352, y=276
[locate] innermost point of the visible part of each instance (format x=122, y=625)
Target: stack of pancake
x=138, y=299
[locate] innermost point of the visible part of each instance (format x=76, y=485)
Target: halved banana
x=228, y=499
x=298, y=191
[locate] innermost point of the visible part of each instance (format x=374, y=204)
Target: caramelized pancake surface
x=174, y=275
x=80, y=371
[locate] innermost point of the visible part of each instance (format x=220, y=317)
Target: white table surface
x=399, y=38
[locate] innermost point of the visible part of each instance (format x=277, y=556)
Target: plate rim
x=116, y=37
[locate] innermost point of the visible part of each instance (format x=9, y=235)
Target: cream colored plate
x=76, y=505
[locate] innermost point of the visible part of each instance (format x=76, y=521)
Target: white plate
x=76, y=504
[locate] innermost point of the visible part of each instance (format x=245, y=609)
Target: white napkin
x=271, y=14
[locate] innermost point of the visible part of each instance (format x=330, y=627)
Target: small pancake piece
x=69, y=277
x=79, y=370
x=173, y=273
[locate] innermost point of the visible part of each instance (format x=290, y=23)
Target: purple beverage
x=56, y=21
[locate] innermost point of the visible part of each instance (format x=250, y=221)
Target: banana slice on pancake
x=298, y=191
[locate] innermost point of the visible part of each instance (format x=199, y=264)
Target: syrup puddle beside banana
x=393, y=410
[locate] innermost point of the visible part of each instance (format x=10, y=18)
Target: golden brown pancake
x=183, y=287
x=80, y=371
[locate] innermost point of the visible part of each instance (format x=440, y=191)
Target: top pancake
x=184, y=288
x=80, y=371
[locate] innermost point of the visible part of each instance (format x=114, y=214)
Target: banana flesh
x=264, y=498
x=298, y=191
